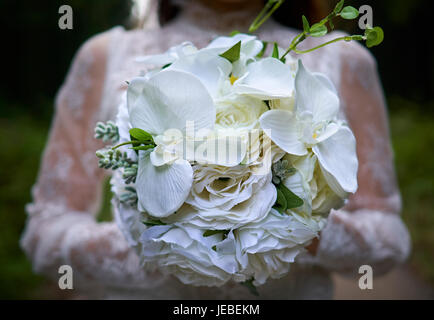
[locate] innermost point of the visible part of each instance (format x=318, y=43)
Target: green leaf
x=349, y=13
x=305, y=24
x=249, y=285
x=374, y=36
x=209, y=233
x=275, y=53
x=233, y=53
x=153, y=222
x=292, y=200
x=318, y=30
x=339, y=6
x=281, y=204
x=234, y=33
x=140, y=134
x=264, y=48
x=134, y=143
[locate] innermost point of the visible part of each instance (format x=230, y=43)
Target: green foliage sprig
x=281, y=170
x=112, y=159
x=129, y=197
x=140, y=140
x=115, y=159
x=373, y=35
x=107, y=131
x=130, y=173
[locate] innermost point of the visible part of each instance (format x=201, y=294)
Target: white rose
x=238, y=112
x=227, y=197
x=266, y=248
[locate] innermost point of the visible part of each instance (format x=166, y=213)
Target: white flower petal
x=281, y=127
x=162, y=190
x=314, y=95
x=328, y=131
x=250, y=46
x=168, y=100
x=221, y=150
x=325, y=81
x=266, y=79
x=208, y=67
x=337, y=156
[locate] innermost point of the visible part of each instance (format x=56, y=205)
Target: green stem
x=131, y=142
x=346, y=38
x=266, y=12
x=294, y=44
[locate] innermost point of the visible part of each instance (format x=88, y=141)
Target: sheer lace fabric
x=61, y=226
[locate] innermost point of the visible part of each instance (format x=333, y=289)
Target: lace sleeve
x=61, y=228
x=368, y=230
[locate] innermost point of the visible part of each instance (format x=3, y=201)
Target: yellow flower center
x=232, y=79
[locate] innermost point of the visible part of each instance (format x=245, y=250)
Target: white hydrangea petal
x=281, y=127
x=162, y=190
x=337, y=156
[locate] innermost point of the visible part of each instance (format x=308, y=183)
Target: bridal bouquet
x=227, y=161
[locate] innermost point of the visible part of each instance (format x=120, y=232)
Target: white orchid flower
x=250, y=48
x=314, y=125
x=166, y=101
x=209, y=67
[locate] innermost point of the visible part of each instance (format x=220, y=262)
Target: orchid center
x=232, y=79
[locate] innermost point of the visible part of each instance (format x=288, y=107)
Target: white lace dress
x=61, y=227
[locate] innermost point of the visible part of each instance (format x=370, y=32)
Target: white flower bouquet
x=227, y=161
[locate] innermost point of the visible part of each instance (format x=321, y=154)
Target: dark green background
x=36, y=55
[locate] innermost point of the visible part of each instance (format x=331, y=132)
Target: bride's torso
x=121, y=66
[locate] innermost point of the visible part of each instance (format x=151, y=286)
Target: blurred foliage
x=21, y=142
x=413, y=138
x=38, y=55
